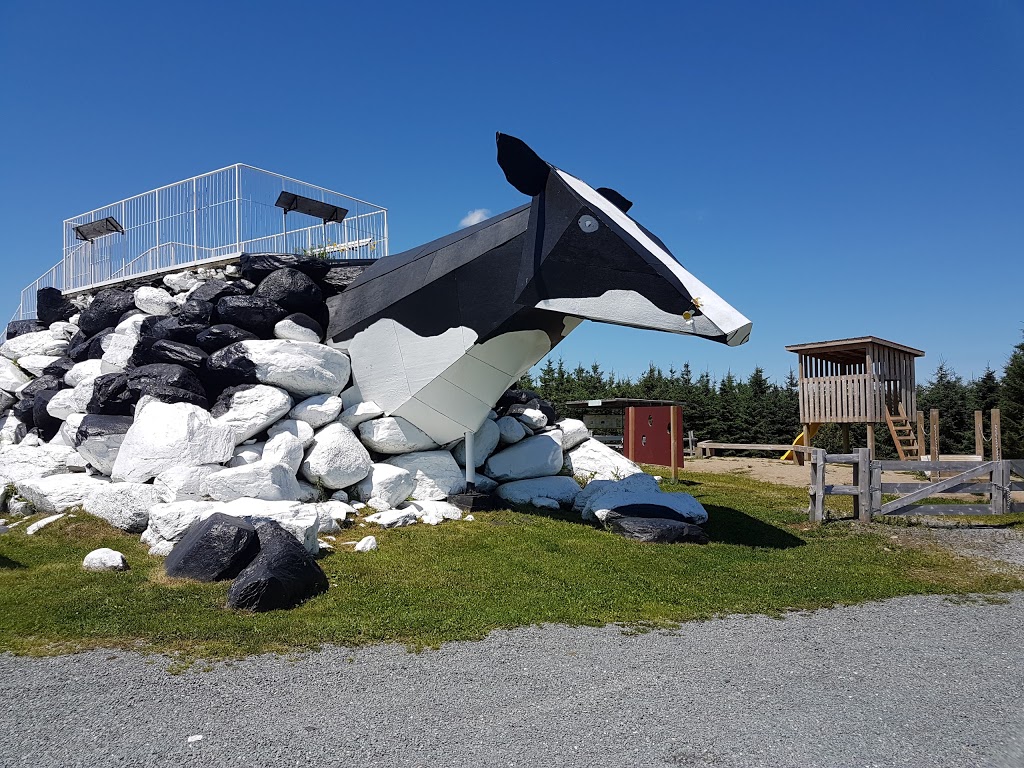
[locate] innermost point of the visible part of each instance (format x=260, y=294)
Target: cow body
x=438, y=333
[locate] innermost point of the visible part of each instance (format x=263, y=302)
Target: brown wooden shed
x=865, y=380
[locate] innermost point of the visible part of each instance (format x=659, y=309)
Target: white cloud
x=475, y=217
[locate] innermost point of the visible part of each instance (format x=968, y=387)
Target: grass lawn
x=459, y=581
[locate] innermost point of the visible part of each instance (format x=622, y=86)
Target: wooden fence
x=707, y=448
x=988, y=478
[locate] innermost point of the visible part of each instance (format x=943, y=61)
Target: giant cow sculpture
x=466, y=315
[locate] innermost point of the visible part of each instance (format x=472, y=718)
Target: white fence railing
x=211, y=217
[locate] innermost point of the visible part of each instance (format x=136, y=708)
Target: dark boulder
x=168, y=383
x=47, y=425
x=307, y=322
x=196, y=311
x=338, y=279
x=289, y=289
x=170, y=328
x=657, y=530
x=99, y=437
x=535, y=404
x=150, y=351
x=23, y=411
x=41, y=384
x=515, y=397
x=256, y=266
x=59, y=368
x=105, y=311
x=52, y=307
x=213, y=291
x=216, y=337
x=21, y=327
x=111, y=396
x=251, y=313
x=229, y=367
x=213, y=549
x=82, y=347
x=282, y=575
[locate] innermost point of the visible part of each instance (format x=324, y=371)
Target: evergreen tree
x=1011, y=404
x=947, y=392
x=985, y=391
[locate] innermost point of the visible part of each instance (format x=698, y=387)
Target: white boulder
x=593, y=460
x=105, y=560
x=485, y=440
x=318, y=411
x=563, y=490
x=336, y=459
x=433, y=512
x=639, y=483
x=167, y=435
x=87, y=370
x=436, y=473
x=183, y=483
x=393, y=518
x=21, y=462
x=12, y=377
x=262, y=480
x=284, y=448
x=533, y=418
x=246, y=453
x=35, y=364
x=394, y=435
x=366, y=544
x=38, y=525
x=117, y=350
x=37, y=343
x=298, y=429
x=289, y=329
x=332, y=515
x=359, y=413
x=574, y=432
x=632, y=504
x=169, y=522
x=385, y=487
x=180, y=282
x=62, y=404
x=123, y=505
x=511, y=430
x=154, y=301
x=301, y=367
x=251, y=411
x=536, y=456
x=58, y=493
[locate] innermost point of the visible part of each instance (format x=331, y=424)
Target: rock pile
x=211, y=393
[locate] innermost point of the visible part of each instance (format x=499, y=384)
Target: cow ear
x=615, y=199
x=523, y=167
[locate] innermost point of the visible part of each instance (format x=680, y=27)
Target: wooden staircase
x=902, y=432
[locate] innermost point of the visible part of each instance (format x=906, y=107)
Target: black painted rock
x=170, y=328
x=515, y=397
x=657, y=530
x=213, y=549
x=82, y=347
x=223, y=402
x=282, y=575
x=337, y=279
x=99, y=437
x=21, y=327
x=59, y=368
x=536, y=404
x=52, y=307
x=251, y=313
x=289, y=289
x=41, y=384
x=213, y=291
x=168, y=383
x=229, y=367
x=111, y=396
x=23, y=411
x=150, y=351
x=196, y=311
x=256, y=266
x=47, y=425
x=105, y=311
x=130, y=313
x=216, y=337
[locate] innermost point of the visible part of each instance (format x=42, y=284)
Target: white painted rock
x=484, y=442
x=183, y=483
x=366, y=544
x=155, y=301
x=300, y=520
x=251, y=411
x=247, y=453
x=168, y=435
x=484, y=484
x=298, y=429
x=69, y=428
x=433, y=512
x=8, y=428
x=394, y=435
x=65, y=329
x=100, y=448
x=131, y=326
x=308, y=493
x=21, y=462
x=117, y=350
x=38, y=525
x=301, y=367
x=510, y=429
x=593, y=460
x=574, y=432
x=169, y=522
x=6, y=400
x=318, y=411
x=332, y=515
x=340, y=496
x=123, y=505
x=284, y=448
x=536, y=456
x=631, y=503
x=393, y=518
x=640, y=483
x=58, y=493
x=262, y=480
x=11, y=376
x=563, y=490
x=337, y=459
x=289, y=329
x=533, y=418
x=35, y=364
x=87, y=370
x=62, y=404
x=38, y=343
x=437, y=474
x=105, y=560
x=360, y=413
x=385, y=487
x=180, y=282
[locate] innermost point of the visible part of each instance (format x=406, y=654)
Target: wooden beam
x=933, y=417
x=932, y=489
x=920, y=433
x=997, y=436
x=979, y=435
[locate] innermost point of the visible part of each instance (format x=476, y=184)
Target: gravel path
x=923, y=681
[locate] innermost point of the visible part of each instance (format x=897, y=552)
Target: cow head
x=585, y=257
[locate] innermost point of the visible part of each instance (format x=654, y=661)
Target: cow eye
x=588, y=224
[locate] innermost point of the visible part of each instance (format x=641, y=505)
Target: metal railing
x=208, y=218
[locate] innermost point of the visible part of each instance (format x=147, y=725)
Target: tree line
x=758, y=410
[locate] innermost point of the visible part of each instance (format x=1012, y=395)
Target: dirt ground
x=769, y=470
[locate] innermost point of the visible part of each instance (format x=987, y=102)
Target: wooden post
x=997, y=436
x=875, y=490
x=629, y=444
x=920, y=434
x=816, y=511
x=933, y=419
x=862, y=479
x=797, y=456
x=871, y=439
x=1001, y=471
x=979, y=435
x=675, y=433
x=846, y=437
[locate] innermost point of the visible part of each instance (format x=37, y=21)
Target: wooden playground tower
x=866, y=380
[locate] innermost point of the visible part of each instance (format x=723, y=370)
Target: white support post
x=470, y=469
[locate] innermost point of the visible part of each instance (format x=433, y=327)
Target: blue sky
x=831, y=169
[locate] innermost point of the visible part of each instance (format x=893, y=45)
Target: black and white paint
x=468, y=314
